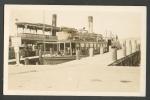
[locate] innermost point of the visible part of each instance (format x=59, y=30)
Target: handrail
x=124, y=58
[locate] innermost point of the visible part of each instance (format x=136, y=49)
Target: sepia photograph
x=74, y=50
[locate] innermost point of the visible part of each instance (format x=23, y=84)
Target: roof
x=39, y=26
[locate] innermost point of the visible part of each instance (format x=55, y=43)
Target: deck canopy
x=90, y=37
x=37, y=26
x=82, y=36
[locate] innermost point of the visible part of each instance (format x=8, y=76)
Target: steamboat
x=42, y=44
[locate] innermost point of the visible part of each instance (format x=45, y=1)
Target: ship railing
x=130, y=60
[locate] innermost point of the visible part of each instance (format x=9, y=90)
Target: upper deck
x=37, y=37
x=43, y=32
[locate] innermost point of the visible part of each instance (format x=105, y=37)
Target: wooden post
x=135, y=45
x=101, y=49
x=138, y=47
x=50, y=51
x=36, y=50
x=91, y=52
x=59, y=46
x=77, y=54
x=70, y=49
x=17, y=55
x=114, y=54
x=130, y=47
x=17, y=43
x=40, y=56
x=124, y=49
x=64, y=48
x=109, y=48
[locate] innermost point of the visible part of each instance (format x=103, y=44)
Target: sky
x=126, y=22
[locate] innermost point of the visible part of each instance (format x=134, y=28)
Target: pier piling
x=124, y=49
x=109, y=49
x=135, y=45
x=101, y=49
x=77, y=54
x=138, y=47
x=91, y=52
x=130, y=47
x=114, y=54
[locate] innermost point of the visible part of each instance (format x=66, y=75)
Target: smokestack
x=54, y=24
x=90, y=22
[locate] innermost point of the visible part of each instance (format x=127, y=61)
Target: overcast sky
x=126, y=22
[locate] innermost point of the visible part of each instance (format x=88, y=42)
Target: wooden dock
x=90, y=74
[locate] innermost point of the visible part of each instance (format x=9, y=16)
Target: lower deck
x=54, y=52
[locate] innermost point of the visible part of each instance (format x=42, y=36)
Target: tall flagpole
x=44, y=31
x=16, y=47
